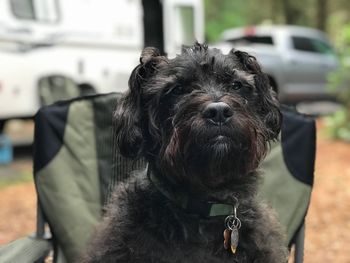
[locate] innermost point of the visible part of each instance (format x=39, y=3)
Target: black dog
x=203, y=121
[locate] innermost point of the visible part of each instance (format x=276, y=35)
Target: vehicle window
x=23, y=9
x=322, y=47
x=311, y=45
x=38, y=10
x=252, y=40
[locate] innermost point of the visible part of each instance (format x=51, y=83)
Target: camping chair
x=56, y=87
x=289, y=174
x=76, y=166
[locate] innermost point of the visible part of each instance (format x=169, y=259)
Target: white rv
x=95, y=43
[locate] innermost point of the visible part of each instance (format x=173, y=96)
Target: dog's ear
x=268, y=105
x=129, y=110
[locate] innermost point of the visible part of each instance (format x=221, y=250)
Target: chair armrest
x=25, y=250
x=299, y=245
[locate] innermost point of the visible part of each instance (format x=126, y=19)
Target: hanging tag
x=234, y=240
x=231, y=235
x=227, y=236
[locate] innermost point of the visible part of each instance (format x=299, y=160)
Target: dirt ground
x=328, y=220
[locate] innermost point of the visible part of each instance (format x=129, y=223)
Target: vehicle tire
x=2, y=125
x=86, y=89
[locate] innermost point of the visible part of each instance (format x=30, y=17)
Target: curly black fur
x=166, y=118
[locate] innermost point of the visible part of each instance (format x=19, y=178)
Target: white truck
x=94, y=43
x=296, y=59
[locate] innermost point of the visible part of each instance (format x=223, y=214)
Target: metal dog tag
x=231, y=235
x=227, y=235
x=231, y=238
x=234, y=240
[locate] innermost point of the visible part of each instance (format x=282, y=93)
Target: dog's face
x=202, y=118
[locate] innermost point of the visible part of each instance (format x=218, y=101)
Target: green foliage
x=221, y=15
x=224, y=14
x=338, y=125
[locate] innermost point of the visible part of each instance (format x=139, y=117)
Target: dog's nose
x=217, y=112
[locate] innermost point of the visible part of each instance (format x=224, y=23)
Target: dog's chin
x=221, y=142
x=215, y=161
x=217, y=148
x=210, y=156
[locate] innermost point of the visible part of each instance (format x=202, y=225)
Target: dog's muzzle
x=217, y=113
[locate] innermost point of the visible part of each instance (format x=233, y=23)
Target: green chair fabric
x=76, y=165
x=25, y=250
x=289, y=171
x=57, y=87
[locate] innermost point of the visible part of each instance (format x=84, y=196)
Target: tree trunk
x=291, y=13
x=321, y=15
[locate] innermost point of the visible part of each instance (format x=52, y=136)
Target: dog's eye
x=237, y=85
x=177, y=90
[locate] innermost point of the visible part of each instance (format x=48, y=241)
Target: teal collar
x=207, y=209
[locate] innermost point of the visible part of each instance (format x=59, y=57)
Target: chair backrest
x=76, y=165
x=289, y=171
x=56, y=87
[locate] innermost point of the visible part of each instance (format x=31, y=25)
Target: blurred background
x=59, y=49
